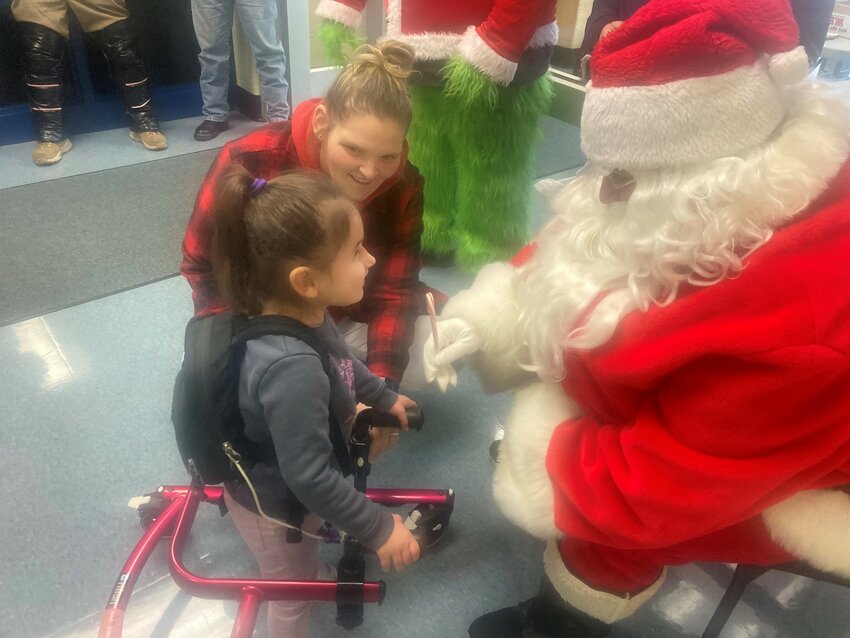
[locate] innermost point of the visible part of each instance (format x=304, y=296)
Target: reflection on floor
x=86, y=396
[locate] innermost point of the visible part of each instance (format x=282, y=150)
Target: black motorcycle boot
x=44, y=49
x=546, y=615
x=128, y=73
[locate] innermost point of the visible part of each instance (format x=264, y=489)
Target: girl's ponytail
x=259, y=227
x=231, y=251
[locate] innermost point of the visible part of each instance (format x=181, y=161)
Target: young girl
x=355, y=136
x=293, y=246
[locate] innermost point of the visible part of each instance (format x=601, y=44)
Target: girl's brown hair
x=374, y=83
x=295, y=219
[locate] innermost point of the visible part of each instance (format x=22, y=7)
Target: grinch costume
x=480, y=89
x=685, y=318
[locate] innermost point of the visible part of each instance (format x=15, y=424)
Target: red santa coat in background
x=491, y=34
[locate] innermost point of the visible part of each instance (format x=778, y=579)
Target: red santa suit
x=715, y=428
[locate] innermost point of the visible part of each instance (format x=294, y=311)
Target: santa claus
x=679, y=335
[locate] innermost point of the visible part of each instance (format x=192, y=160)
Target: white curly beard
x=694, y=225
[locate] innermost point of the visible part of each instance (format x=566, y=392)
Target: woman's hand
x=400, y=550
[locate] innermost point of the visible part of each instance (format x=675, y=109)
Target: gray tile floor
x=85, y=394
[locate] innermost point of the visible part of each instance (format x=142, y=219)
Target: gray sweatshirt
x=284, y=396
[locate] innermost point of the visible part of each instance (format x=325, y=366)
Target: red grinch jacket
x=392, y=220
x=705, y=413
x=508, y=40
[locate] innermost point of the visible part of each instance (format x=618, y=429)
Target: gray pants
x=356, y=338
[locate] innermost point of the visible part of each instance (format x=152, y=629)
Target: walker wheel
x=148, y=516
x=432, y=521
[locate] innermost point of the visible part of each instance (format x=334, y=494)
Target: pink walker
x=170, y=512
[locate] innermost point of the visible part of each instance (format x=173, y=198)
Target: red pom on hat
x=683, y=81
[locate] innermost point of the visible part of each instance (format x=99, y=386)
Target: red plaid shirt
x=392, y=220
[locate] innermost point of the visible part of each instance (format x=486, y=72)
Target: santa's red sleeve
x=717, y=441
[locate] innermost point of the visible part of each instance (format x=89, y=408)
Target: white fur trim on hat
x=681, y=122
x=608, y=608
x=479, y=54
x=790, y=67
x=338, y=12
x=521, y=484
x=547, y=35
x=814, y=526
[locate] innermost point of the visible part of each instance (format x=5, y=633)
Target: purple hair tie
x=257, y=185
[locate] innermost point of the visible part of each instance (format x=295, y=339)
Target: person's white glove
x=457, y=339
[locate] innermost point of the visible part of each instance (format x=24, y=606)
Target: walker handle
x=415, y=419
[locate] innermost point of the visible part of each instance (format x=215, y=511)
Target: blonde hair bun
x=374, y=82
x=392, y=56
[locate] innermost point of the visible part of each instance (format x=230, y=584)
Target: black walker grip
x=371, y=417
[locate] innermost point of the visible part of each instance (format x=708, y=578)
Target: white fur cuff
x=338, y=12
x=521, y=484
x=488, y=306
x=547, y=35
x=681, y=122
x=479, y=54
x=608, y=608
x=814, y=526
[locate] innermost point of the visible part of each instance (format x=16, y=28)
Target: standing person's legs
x=280, y=560
x=213, y=21
x=44, y=27
x=259, y=22
x=108, y=22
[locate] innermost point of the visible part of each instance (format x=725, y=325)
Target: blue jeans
x=213, y=20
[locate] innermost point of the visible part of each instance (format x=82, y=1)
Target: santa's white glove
x=457, y=339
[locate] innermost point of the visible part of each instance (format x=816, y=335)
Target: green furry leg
x=495, y=149
x=431, y=151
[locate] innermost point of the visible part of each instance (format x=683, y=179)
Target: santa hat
x=685, y=81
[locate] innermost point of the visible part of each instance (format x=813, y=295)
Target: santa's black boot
x=131, y=80
x=546, y=615
x=44, y=49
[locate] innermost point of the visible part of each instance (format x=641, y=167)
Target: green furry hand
x=471, y=86
x=338, y=41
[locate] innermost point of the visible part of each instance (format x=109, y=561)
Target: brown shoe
x=151, y=140
x=47, y=153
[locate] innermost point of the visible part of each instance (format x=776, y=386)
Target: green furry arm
x=464, y=81
x=338, y=41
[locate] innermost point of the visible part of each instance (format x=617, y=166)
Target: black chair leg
x=743, y=576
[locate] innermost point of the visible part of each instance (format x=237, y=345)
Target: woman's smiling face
x=360, y=152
